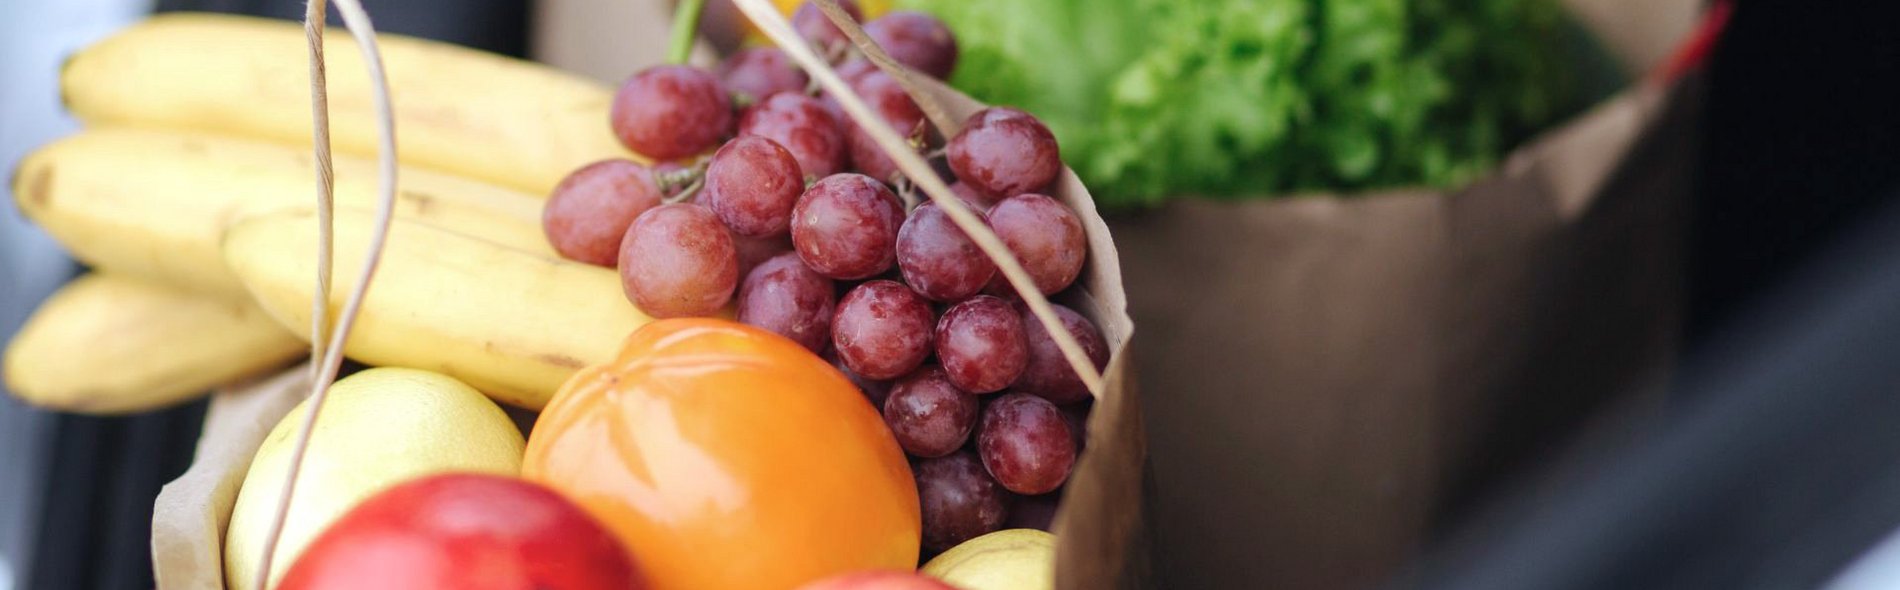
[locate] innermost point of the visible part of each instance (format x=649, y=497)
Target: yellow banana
x=107, y=344
x=153, y=204
x=506, y=121
x=513, y=324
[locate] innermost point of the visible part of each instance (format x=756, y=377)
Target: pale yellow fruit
x=379, y=428
x=458, y=110
x=106, y=344
x=154, y=204
x=1010, y=559
x=514, y=325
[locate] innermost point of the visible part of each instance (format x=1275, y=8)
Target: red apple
x=466, y=532
x=879, y=580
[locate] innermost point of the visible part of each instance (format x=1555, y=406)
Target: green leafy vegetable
x=1232, y=98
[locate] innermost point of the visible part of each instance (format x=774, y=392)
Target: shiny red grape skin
x=678, y=261
x=1048, y=373
x=1004, y=151
x=589, y=211
x=784, y=296
x=667, y=112
x=811, y=23
x=845, y=226
x=959, y=501
x=753, y=251
x=981, y=344
x=917, y=40
x=938, y=259
x=1045, y=236
x=972, y=197
x=758, y=72
x=881, y=92
x=802, y=126
x=752, y=184
x=1025, y=444
x=929, y=416
x=882, y=329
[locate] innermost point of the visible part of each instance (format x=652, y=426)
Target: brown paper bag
x=1330, y=376
x=1100, y=524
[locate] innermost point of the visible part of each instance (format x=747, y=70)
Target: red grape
x=874, y=391
x=854, y=68
x=938, y=259
x=784, y=296
x=959, y=501
x=677, y=260
x=981, y=344
x=590, y=210
x=882, y=329
x=758, y=72
x=845, y=226
x=1025, y=444
x=972, y=197
x=1004, y=151
x=802, y=125
x=1045, y=236
x=929, y=416
x=752, y=185
x=1048, y=373
x=811, y=23
x=667, y=112
x=917, y=40
x=881, y=92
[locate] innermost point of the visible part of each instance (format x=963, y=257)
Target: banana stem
x=685, y=26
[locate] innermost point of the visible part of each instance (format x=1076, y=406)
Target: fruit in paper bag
x=728, y=457
x=465, y=531
x=1013, y=559
x=380, y=427
x=108, y=344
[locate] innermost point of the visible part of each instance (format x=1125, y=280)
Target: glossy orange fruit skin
x=728, y=457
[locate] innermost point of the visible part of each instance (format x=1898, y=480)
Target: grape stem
x=685, y=25
x=912, y=165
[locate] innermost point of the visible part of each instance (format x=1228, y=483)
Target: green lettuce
x=1236, y=98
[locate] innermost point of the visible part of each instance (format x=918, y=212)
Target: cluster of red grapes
x=830, y=258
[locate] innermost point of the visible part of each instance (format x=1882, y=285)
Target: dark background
x=1776, y=452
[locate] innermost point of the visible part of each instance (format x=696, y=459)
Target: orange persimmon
x=725, y=456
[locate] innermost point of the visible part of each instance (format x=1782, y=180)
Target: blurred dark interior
x=1771, y=467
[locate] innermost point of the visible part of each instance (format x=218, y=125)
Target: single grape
x=668, y=112
x=1048, y=373
x=929, y=416
x=882, y=329
x=1004, y=151
x=752, y=185
x=758, y=72
x=874, y=391
x=917, y=40
x=1045, y=236
x=783, y=296
x=938, y=259
x=590, y=210
x=881, y=92
x=677, y=260
x=811, y=23
x=959, y=500
x=802, y=125
x=981, y=344
x=1034, y=512
x=1025, y=444
x=845, y=226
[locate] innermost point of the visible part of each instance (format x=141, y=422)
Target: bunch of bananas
x=191, y=196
